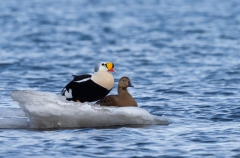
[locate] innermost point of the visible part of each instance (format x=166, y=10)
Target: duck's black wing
x=79, y=79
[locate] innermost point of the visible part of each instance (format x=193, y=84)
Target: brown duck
x=123, y=98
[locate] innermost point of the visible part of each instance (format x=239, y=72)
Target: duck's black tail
x=66, y=88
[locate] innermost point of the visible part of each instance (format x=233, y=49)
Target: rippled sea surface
x=183, y=58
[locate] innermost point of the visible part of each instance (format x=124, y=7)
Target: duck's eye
x=102, y=64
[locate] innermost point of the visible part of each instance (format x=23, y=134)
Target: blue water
x=182, y=56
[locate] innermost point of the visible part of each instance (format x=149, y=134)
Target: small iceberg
x=48, y=110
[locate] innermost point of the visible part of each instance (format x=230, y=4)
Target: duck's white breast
x=104, y=79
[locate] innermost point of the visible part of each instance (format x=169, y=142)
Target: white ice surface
x=48, y=110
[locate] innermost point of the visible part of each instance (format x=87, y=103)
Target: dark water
x=182, y=57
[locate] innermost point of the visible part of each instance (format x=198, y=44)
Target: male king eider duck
x=91, y=87
x=123, y=98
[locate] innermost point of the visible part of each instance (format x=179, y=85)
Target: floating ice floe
x=48, y=110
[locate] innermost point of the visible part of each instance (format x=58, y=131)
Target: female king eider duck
x=123, y=98
x=91, y=87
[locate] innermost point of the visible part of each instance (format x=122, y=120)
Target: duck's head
x=124, y=82
x=104, y=66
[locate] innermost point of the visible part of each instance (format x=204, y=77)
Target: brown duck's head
x=124, y=82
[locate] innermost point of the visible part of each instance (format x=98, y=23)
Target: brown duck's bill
x=130, y=84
